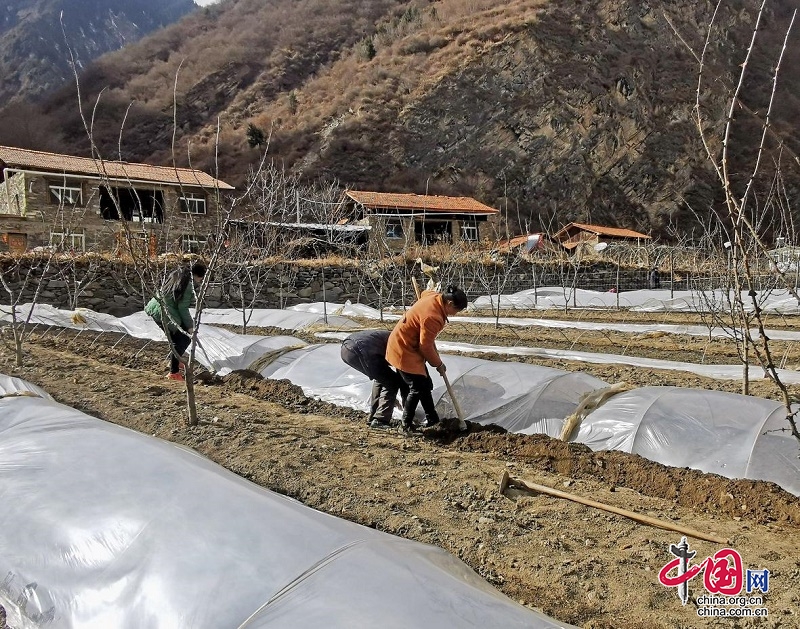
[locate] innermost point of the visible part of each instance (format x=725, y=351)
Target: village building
x=576, y=236
x=525, y=243
x=398, y=220
x=78, y=204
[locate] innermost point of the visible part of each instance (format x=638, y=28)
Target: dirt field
x=581, y=565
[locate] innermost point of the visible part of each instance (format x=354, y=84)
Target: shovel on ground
x=522, y=486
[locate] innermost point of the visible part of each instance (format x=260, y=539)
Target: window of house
x=68, y=241
x=193, y=244
x=193, y=203
x=65, y=195
x=141, y=205
x=469, y=232
x=394, y=229
x=432, y=232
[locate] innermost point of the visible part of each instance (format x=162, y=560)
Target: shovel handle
x=416, y=287
x=517, y=483
x=462, y=425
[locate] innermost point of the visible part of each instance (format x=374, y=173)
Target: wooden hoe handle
x=506, y=481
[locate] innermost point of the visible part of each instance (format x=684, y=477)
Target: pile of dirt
x=757, y=501
x=288, y=395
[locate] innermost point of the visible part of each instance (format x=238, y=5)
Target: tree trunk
x=746, y=369
x=191, y=402
x=18, y=346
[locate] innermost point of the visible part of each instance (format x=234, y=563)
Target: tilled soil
x=579, y=564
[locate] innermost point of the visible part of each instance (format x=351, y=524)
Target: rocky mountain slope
x=39, y=37
x=551, y=111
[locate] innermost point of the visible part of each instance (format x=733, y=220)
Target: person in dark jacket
x=654, y=278
x=365, y=351
x=176, y=295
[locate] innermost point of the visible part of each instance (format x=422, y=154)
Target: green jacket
x=178, y=310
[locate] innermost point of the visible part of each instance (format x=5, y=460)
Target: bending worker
x=412, y=343
x=365, y=351
x=176, y=321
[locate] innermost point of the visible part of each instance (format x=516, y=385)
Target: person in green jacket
x=176, y=295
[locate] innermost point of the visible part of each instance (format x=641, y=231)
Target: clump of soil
x=286, y=393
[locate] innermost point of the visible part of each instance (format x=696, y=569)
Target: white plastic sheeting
x=347, y=309
x=720, y=372
x=546, y=297
x=644, y=297
x=736, y=436
x=630, y=328
x=105, y=527
x=274, y=318
x=142, y=325
x=520, y=398
x=10, y=386
x=514, y=396
x=221, y=351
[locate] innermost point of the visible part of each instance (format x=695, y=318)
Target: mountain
x=551, y=111
x=38, y=38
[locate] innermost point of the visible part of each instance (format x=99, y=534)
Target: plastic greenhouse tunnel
x=105, y=527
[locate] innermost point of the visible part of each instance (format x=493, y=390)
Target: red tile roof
x=524, y=239
x=427, y=203
x=25, y=159
x=600, y=230
x=526, y=242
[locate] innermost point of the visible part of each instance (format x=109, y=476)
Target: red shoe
x=176, y=376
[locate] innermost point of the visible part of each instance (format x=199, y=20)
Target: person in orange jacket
x=412, y=343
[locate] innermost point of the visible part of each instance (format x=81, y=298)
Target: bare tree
x=743, y=211
x=257, y=241
x=140, y=242
x=23, y=277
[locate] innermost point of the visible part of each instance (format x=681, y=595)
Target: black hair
x=177, y=282
x=455, y=296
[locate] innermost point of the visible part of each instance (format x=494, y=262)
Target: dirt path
x=580, y=565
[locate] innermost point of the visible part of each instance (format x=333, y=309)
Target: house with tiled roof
x=398, y=220
x=525, y=243
x=577, y=235
x=80, y=203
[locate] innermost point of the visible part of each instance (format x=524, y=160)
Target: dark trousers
x=419, y=392
x=180, y=342
x=386, y=382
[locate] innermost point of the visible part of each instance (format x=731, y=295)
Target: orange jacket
x=412, y=340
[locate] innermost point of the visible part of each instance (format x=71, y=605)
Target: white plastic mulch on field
x=524, y=398
x=545, y=297
x=514, y=396
x=105, y=527
x=736, y=436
